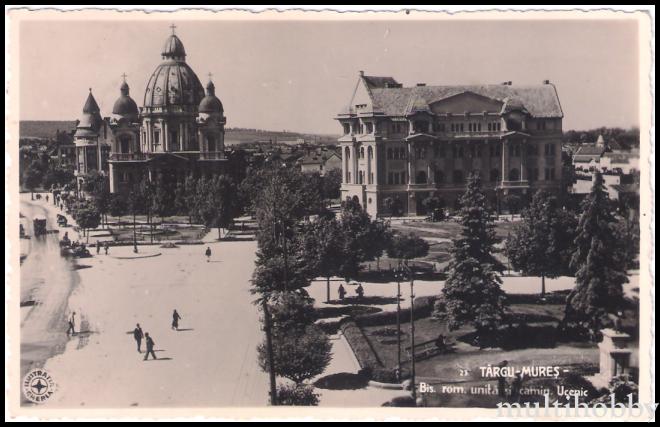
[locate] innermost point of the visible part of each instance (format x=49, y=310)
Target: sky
x=297, y=76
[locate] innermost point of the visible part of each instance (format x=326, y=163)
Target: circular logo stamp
x=38, y=386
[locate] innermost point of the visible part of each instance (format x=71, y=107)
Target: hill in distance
x=48, y=128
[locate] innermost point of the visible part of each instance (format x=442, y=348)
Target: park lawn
x=445, y=367
x=179, y=233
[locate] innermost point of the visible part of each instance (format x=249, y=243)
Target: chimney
x=421, y=84
x=546, y=82
x=361, y=73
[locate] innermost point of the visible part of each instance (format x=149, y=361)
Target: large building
x=178, y=131
x=408, y=143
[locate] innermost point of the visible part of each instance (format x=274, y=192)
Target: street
x=210, y=361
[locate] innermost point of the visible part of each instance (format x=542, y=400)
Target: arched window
x=514, y=174
x=421, y=178
x=125, y=144
x=362, y=152
x=439, y=177
x=457, y=176
x=494, y=175
x=370, y=153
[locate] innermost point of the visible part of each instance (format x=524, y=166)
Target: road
x=47, y=280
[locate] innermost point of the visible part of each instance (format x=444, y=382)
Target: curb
x=387, y=386
x=135, y=257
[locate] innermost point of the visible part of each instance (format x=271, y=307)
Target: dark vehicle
x=61, y=220
x=39, y=225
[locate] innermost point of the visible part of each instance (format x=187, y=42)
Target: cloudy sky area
x=297, y=75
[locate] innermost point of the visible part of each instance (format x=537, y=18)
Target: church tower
x=211, y=125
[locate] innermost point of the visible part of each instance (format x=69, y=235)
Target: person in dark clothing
x=208, y=254
x=98, y=247
x=342, y=292
x=72, y=324
x=138, y=335
x=175, y=320
x=150, y=347
x=106, y=246
x=360, y=291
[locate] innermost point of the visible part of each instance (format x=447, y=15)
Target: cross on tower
x=124, y=77
x=173, y=27
x=210, y=76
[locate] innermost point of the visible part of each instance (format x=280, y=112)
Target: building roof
x=125, y=106
x=210, y=103
x=318, y=158
x=173, y=82
x=590, y=150
x=380, y=82
x=539, y=100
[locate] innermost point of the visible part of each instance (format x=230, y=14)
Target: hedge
x=423, y=308
x=370, y=364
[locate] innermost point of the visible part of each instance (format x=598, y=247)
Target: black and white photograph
x=400, y=214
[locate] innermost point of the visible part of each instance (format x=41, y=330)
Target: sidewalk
x=344, y=362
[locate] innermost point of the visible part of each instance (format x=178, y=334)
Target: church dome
x=210, y=103
x=173, y=48
x=173, y=83
x=124, y=105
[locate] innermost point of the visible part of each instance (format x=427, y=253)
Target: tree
x=393, y=205
x=541, y=244
x=297, y=395
x=87, y=217
x=323, y=246
x=32, y=177
x=512, y=202
x=162, y=200
x=117, y=206
x=217, y=205
x=298, y=356
x=472, y=292
x=186, y=199
x=600, y=265
x=407, y=246
x=358, y=231
x=332, y=184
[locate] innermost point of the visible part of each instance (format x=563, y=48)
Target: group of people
x=106, y=246
x=139, y=335
x=359, y=292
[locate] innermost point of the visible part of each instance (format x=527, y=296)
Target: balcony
x=128, y=157
x=514, y=184
x=211, y=155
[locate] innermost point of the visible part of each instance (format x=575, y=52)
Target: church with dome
x=178, y=131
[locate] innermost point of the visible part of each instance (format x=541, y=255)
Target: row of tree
x=598, y=248
x=299, y=239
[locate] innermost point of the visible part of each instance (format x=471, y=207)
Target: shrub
x=423, y=308
x=401, y=402
x=297, y=395
x=364, y=352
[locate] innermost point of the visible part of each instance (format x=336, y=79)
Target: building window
x=421, y=178
x=347, y=128
x=390, y=178
x=439, y=177
x=156, y=137
x=514, y=175
x=549, y=150
x=362, y=152
x=396, y=178
x=370, y=128
x=402, y=152
x=494, y=175
x=403, y=178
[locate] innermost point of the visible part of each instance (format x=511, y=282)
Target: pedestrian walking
x=501, y=380
x=46, y=198
x=98, y=247
x=342, y=292
x=208, y=253
x=138, y=335
x=106, y=246
x=72, y=324
x=175, y=320
x=150, y=347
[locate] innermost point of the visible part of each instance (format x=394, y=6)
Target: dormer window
x=347, y=128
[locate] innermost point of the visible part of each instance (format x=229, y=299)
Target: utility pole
x=397, y=275
x=412, y=338
x=269, y=349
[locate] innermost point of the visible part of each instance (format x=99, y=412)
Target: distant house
x=321, y=162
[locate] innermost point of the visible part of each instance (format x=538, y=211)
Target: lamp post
x=398, y=275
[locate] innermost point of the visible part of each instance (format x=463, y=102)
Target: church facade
x=179, y=130
x=402, y=145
